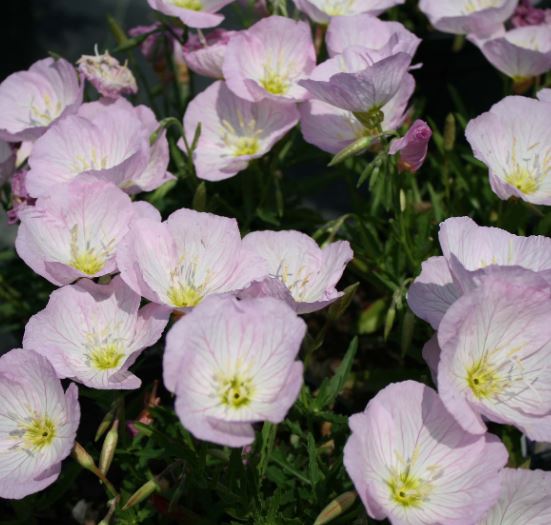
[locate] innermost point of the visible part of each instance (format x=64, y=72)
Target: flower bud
x=142, y=493
x=83, y=458
x=109, y=447
x=337, y=507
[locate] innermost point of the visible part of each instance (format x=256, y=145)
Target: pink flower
x=412, y=147
x=93, y=333
x=38, y=423
x=527, y=15
x=205, y=56
x=525, y=498
x=322, y=11
x=471, y=250
x=149, y=44
x=74, y=231
x=332, y=129
x=233, y=131
x=365, y=84
x=107, y=139
x=106, y=74
x=413, y=464
x=495, y=351
x=480, y=17
x=193, y=13
x=520, y=53
x=269, y=59
x=20, y=199
x=232, y=363
x=308, y=271
x=7, y=161
x=186, y=258
x=30, y=101
x=514, y=140
x=368, y=32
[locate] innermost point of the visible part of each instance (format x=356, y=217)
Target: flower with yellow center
x=192, y=5
x=39, y=433
x=472, y=6
x=484, y=380
x=236, y=392
x=107, y=357
x=408, y=490
x=523, y=180
x=274, y=82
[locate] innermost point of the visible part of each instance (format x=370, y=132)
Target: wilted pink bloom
x=38, y=423
x=7, y=161
x=205, y=56
x=480, y=17
x=412, y=147
x=147, y=47
x=525, y=499
x=332, y=129
x=107, y=139
x=106, y=74
x=514, y=140
x=367, y=31
x=232, y=363
x=267, y=287
x=471, y=250
x=269, y=59
x=322, y=11
x=365, y=84
x=189, y=256
x=30, y=101
x=545, y=95
x=412, y=463
x=520, y=53
x=310, y=273
x=20, y=199
x=93, y=333
x=74, y=231
x=495, y=345
x=528, y=15
x=233, y=130
x=193, y=13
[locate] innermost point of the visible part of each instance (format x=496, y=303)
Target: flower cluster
x=226, y=307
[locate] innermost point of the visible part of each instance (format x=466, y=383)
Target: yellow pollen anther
x=246, y=146
x=523, y=180
x=87, y=261
x=407, y=490
x=236, y=392
x=183, y=296
x=192, y=5
x=39, y=433
x=274, y=83
x=483, y=380
x=106, y=357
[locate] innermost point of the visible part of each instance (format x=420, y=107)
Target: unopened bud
x=109, y=447
x=83, y=458
x=449, y=132
x=337, y=507
x=142, y=493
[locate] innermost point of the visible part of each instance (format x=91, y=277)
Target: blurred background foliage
x=359, y=345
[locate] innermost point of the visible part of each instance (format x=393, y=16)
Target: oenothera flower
x=521, y=53
x=108, y=139
x=369, y=32
x=525, y=498
x=412, y=463
x=189, y=256
x=233, y=130
x=107, y=75
x=38, y=423
x=93, y=333
x=412, y=147
x=309, y=272
x=193, y=13
x=7, y=161
x=74, y=231
x=481, y=17
x=495, y=352
x=322, y=11
x=232, y=363
x=359, y=81
x=205, y=54
x=527, y=15
x=514, y=140
x=470, y=250
x=331, y=128
x=269, y=59
x=30, y=101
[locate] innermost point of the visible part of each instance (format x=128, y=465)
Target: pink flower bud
x=412, y=147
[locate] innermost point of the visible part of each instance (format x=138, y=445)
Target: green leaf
x=268, y=435
x=331, y=388
x=371, y=319
x=314, y=471
x=337, y=309
x=200, y=198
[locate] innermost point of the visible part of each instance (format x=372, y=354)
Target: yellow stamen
x=246, y=146
x=236, y=392
x=523, y=180
x=87, y=261
x=274, y=83
x=483, y=380
x=106, y=357
x=192, y=5
x=39, y=433
x=183, y=296
x=407, y=490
